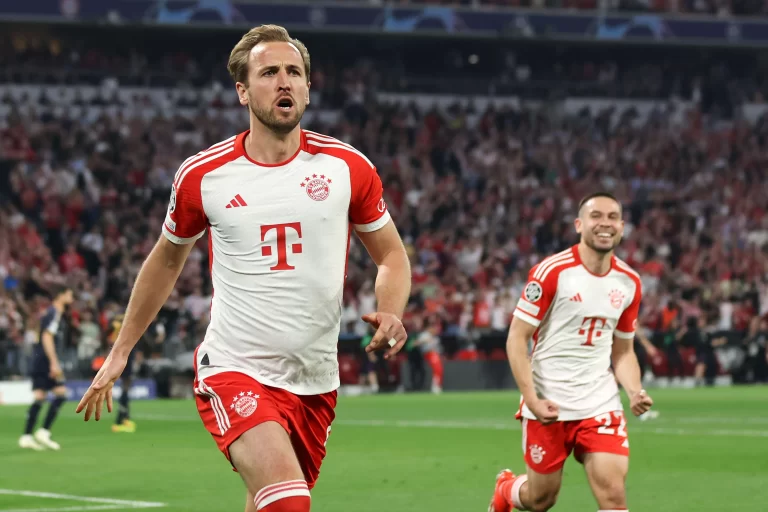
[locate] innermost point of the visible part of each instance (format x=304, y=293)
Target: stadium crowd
x=477, y=205
x=479, y=195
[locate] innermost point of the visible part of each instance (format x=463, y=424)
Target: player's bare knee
x=264, y=456
x=542, y=502
x=613, y=496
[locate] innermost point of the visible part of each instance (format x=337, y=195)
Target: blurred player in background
x=580, y=307
x=644, y=349
x=123, y=422
x=47, y=374
x=428, y=342
x=279, y=203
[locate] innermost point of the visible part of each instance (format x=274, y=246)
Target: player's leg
x=607, y=475
x=250, y=505
x=310, y=422
x=252, y=432
x=546, y=447
x=38, y=396
x=436, y=364
x=602, y=445
x=536, y=492
x=268, y=465
x=43, y=435
x=123, y=422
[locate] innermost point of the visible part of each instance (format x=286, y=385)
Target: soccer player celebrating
x=279, y=203
x=47, y=374
x=580, y=307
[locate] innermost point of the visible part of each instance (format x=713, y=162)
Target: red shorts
x=547, y=446
x=232, y=403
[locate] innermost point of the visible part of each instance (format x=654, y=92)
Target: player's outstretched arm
x=154, y=284
x=520, y=332
x=627, y=371
x=393, y=287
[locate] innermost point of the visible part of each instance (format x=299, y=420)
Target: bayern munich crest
x=318, y=187
x=537, y=454
x=244, y=404
x=617, y=298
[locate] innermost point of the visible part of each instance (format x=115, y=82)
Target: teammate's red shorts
x=232, y=403
x=547, y=446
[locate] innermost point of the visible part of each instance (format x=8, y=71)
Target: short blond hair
x=238, y=58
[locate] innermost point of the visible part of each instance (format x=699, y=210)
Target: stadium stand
x=91, y=139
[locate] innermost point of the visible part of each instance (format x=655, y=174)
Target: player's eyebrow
x=276, y=67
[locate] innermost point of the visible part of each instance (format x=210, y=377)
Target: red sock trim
x=290, y=504
x=280, y=491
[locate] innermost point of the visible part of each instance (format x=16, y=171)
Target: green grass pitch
x=707, y=452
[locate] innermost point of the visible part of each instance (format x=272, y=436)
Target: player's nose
x=283, y=80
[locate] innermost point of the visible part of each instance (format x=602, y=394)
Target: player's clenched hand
x=390, y=333
x=546, y=411
x=640, y=402
x=101, y=387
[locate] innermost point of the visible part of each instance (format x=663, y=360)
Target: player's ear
x=242, y=93
x=578, y=225
x=309, y=84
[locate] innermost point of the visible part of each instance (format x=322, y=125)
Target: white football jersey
x=577, y=314
x=278, y=244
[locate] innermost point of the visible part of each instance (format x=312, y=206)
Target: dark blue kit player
x=47, y=374
x=123, y=422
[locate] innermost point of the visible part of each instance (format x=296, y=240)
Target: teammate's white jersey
x=278, y=243
x=577, y=314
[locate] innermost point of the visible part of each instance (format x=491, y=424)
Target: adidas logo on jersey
x=237, y=202
x=576, y=298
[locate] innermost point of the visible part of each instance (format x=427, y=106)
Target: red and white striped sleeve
x=537, y=297
x=367, y=209
x=186, y=220
x=627, y=324
x=541, y=288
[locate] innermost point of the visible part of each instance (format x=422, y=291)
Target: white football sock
x=516, y=486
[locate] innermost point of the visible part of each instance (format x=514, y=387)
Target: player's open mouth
x=605, y=236
x=285, y=104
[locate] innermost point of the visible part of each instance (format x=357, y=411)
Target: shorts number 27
x=606, y=420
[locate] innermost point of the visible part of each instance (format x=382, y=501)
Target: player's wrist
x=121, y=350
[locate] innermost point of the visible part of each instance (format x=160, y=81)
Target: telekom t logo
x=593, y=326
x=282, y=245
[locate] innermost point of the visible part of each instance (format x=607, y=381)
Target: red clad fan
x=580, y=308
x=279, y=204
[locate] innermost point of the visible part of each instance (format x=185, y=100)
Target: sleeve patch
x=533, y=292
x=529, y=308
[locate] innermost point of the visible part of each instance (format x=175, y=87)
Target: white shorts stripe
x=340, y=146
x=558, y=264
x=549, y=261
x=222, y=410
x=201, y=391
x=525, y=432
x=222, y=418
x=208, y=157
